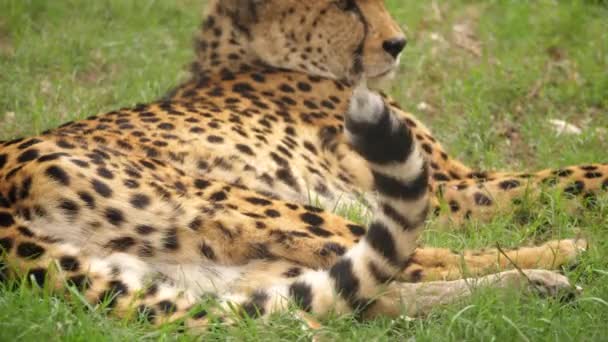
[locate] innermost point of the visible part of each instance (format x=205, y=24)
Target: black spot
x=81, y=282
x=146, y=250
x=301, y=293
x=140, y=201
x=416, y=276
x=114, y=216
x=575, y=188
x=65, y=144
x=292, y=206
x=588, y=167
x=550, y=181
x=242, y=88
x=121, y=244
x=167, y=307
x=88, y=200
x=328, y=105
x=509, y=184
x=563, y=173
x=58, y=174
x=333, y=247
x=218, y=196
x=146, y=314
x=440, y=177
x=4, y=275
x=454, y=206
x=260, y=225
x=258, y=201
x=207, y=251
x=144, y=229
x=170, y=240
x=166, y=126
x=245, y=149
x=258, y=77
x=605, y=184
x=131, y=184
x=151, y=290
x=279, y=160
x=25, y=231
x=318, y=231
x=69, y=263
x=195, y=224
x=379, y=238
x=481, y=199
x=593, y=174
x=215, y=139
x=29, y=143
x=260, y=251
x=286, y=176
x=2, y=160
x=30, y=250
x=4, y=203
x=255, y=306
x=6, y=219
x=312, y=219
x=286, y=88
x=105, y=173
x=303, y=86
x=13, y=142
x=427, y=148
x=26, y=186
x=201, y=184
x=12, y=194
x=356, y=230
x=199, y=313
x=28, y=155
x=272, y=213
x=6, y=244
x=590, y=200
x=37, y=275
x=70, y=208
x=292, y=272
x=101, y=188
x=13, y=172
x=313, y=209
x=115, y=290
x=148, y=165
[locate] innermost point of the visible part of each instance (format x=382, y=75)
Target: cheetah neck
x=222, y=47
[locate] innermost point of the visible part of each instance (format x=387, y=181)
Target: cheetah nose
x=394, y=46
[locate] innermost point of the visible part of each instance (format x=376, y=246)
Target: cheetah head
x=349, y=40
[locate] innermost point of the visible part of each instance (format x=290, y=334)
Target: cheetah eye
x=346, y=5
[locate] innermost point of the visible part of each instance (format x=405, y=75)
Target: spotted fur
x=205, y=194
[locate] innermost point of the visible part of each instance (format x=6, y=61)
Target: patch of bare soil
x=98, y=70
x=6, y=46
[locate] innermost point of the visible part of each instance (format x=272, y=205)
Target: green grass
x=66, y=59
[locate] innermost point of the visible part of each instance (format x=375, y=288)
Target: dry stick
x=501, y=251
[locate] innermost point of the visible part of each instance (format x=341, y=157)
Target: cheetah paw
x=566, y=253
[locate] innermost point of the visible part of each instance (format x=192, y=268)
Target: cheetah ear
x=243, y=12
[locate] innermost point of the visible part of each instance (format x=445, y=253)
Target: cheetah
x=205, y=194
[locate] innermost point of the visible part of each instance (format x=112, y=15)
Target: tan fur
x=212, y=190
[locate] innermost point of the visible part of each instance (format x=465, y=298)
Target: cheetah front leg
x=419, y=299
